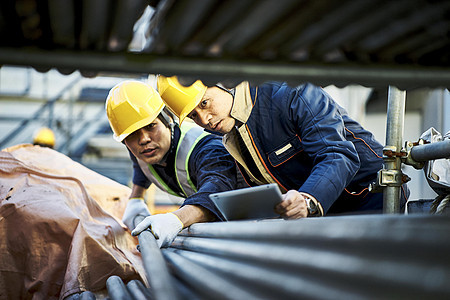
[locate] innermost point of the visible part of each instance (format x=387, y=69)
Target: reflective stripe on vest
x=190, y=136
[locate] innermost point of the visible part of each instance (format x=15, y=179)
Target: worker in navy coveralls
x=297, y=137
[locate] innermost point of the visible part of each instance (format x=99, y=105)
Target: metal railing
x=49, y=104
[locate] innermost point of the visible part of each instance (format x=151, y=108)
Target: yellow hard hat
x=179, y=98
x=131, y=105
x=44, y=137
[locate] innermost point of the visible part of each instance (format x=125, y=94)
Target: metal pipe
x=379, y=264
x=73, y=297
x=219, y=69
x=138, y=291
x=420, y=228
x=87, y=296
x=117, y=289
x=394, y=135
x=431, y=151
x=160, y=281
x=274, y=282
x=187, y=292
x=204, y=282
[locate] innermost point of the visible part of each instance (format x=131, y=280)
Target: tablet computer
x=248, y=203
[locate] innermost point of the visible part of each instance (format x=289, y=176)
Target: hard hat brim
x=190, y=106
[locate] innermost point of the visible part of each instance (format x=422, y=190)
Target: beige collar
x=242, y=104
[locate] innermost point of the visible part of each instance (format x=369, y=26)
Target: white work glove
x=135, y=207
x=164, y=227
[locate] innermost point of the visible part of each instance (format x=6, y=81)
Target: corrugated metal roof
x=370, y=31
x=371, y=42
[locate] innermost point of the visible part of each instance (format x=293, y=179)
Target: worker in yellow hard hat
x=182, y=160
x=183, y=99
x=296, y=137
x=44, y=137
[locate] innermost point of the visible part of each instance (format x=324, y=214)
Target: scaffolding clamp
x=391, y=152
x=408, y=160
x=388, y=178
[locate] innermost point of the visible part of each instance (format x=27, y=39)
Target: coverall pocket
x=285, y=151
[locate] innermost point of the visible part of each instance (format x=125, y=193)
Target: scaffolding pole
x=392, y=173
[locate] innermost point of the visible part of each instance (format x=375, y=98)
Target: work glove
x=164, y=227
x=135, y=207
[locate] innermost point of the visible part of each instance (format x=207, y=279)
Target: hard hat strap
x=230, y=91
x=165, y=118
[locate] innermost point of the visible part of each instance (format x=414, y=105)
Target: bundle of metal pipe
x=347, y=257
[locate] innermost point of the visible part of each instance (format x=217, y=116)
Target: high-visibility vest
x=190, y=136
